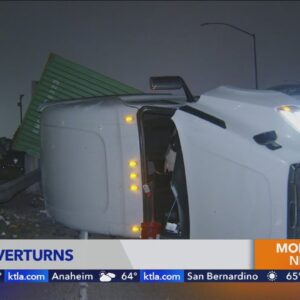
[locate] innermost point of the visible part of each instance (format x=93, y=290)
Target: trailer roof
x=63, y=80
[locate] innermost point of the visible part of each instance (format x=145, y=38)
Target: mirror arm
x=188, y=94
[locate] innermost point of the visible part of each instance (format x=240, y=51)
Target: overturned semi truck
x=225, y=165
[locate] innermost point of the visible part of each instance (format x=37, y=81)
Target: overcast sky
x=130, y=41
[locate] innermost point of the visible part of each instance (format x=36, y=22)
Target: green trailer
x=62, y=80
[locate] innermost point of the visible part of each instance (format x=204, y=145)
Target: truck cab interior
x=163, y=174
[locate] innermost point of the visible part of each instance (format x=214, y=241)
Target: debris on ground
x=25, y=217
x=3, y=220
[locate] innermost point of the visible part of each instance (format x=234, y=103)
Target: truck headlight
x=291, y=113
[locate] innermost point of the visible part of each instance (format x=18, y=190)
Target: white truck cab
x=235, y=164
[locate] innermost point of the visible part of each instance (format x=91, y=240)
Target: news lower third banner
x=147, y=276
x=126, y=254
x=149, y=261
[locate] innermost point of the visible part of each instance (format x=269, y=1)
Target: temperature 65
x=129, y=276
x=295, y=276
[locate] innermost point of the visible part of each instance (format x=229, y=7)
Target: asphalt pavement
x=146, y=291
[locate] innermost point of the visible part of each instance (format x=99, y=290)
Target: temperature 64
x=129, y=276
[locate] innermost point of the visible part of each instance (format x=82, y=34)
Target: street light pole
x=255, y=61
x=20, y=104
x=252, y=35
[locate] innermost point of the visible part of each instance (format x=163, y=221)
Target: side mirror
x=171, y=83
x=166, y=83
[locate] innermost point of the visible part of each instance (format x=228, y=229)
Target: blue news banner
x=150, y=276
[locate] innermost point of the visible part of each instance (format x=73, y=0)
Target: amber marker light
x=133, y=175
x=132, y=163
x=291, y=114
x=285, y=108
x=134, y=188
x=129, y=119
x=135, y=228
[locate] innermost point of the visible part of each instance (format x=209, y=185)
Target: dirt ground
x=25, y=217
